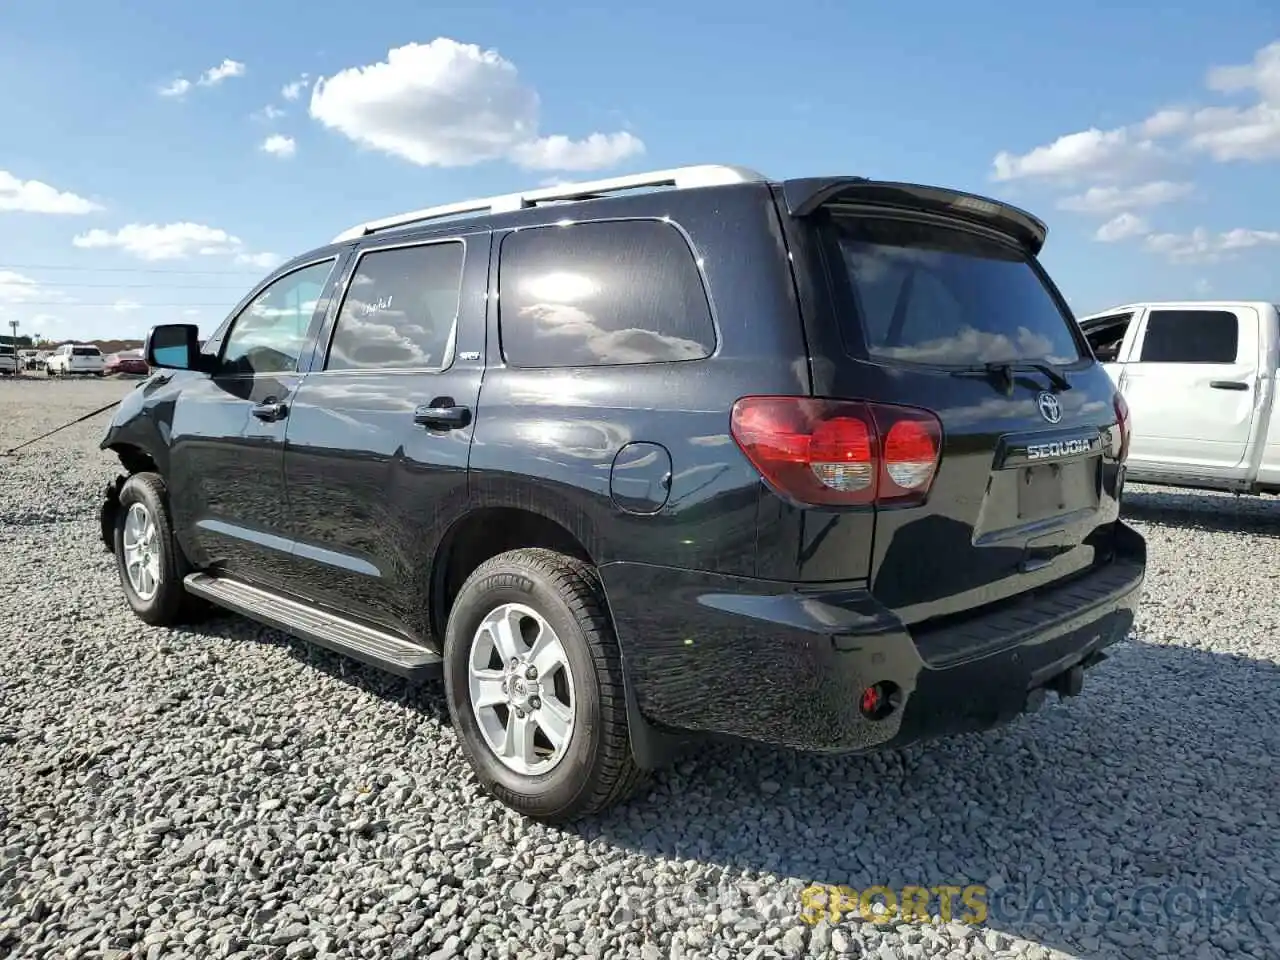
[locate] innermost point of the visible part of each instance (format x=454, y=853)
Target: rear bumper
x=785, y=664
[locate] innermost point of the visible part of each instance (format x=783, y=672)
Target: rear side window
x=400, y=309
x=934, y=295
x=591, y=294
x=1191, y=336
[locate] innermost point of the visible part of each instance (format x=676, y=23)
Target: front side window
x=400, y=309
x=931, y=294
x=592, y=294
x=1191, y=336
x=1106, y=336
x=270, y=333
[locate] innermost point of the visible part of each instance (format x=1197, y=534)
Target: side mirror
x=174, y=346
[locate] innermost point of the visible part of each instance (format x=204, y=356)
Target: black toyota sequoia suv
x=823, y=462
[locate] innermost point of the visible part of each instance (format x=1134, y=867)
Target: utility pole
x=17, y=365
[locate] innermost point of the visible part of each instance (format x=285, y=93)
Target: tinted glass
x=400, y=309
x=601, y=293
x=269, y=334
x=1191, y=336
x=86, y=351
x=928, y=294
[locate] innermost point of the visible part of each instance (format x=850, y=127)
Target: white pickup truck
x=1200, y=381
x=76, y=358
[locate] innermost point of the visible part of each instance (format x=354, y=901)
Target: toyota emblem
x=1049, y=406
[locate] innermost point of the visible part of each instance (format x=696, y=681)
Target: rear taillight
x=1124, y=424
x=839, y=452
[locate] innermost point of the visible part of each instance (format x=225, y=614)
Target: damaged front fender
x=108, y=510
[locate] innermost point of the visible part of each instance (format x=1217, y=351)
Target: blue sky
x=135, y=187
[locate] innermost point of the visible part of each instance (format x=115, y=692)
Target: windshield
x=86, y=351
x=935, y=295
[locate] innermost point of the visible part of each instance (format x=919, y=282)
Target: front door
x=379, y=434
x=1111, y=339
x=226, y=477
x=1191, y=384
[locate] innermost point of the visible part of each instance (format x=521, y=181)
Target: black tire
x=171, y=604
x=598, y=769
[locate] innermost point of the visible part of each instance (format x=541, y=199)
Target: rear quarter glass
x=924, y=293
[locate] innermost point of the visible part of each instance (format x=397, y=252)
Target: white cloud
x=1223, y=133
x=279, y=146
x=1111, y=199
x=1103, y=154
x=125, y=306
x=1201, y=246
x=1262, y=75
x=178, y=87
x=1228, y=133
x=33, y=196
x=269, y=112
x=19, y=288
x=450, y=104
x=292, y=91
x=264, y=261
x=560, y=153
x=1241, y=239
x=1164, y=123
x=1122, y=227
x=223, y=71
x=1198, y=246
x=170, y=241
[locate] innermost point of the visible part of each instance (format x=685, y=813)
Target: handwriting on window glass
x=382, y=303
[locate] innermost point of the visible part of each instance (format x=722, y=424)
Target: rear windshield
x=933, y=295
x=85, y=351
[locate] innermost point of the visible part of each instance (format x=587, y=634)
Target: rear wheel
x=149, y=561
x=533, y=677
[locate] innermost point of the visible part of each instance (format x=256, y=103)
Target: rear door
x=1025, y=489
x=1192, y=385
x=379, y=434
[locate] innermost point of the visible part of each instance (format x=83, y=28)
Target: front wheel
x=533, y=677
x=150, y=563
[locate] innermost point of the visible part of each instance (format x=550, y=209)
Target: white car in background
x=1200, y=381
x=76, y=358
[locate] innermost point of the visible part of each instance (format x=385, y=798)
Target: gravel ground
x=227, y=792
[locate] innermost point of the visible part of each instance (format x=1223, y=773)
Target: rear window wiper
x=1056, y=376
x=1002, y=372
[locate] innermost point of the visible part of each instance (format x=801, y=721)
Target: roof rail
x=681, y=178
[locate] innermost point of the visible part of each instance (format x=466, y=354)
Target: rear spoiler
x=805, y=195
